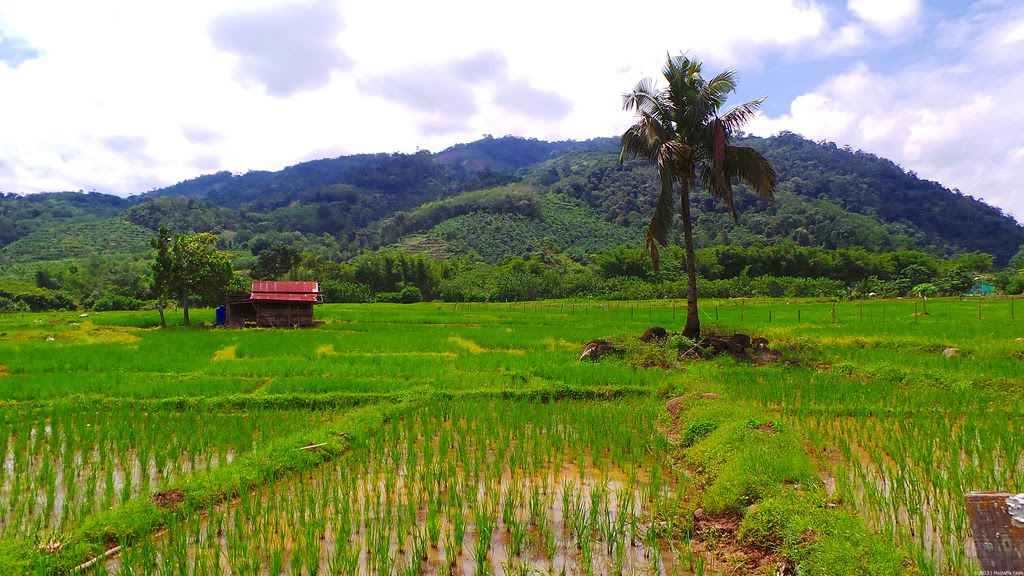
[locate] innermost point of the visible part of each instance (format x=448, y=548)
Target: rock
x=710, y=396
x=741, y=340
x=675, y=405
x=950, y=352
x=713, y=345
x=759, y=343
x=654, y=333
x=738, y=343
x=597, y=349
x=698, y=514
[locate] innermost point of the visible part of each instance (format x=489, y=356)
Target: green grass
x=865, y=423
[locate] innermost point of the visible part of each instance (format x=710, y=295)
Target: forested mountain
x=500, y=197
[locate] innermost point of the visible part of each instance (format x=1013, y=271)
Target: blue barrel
x=222, y=315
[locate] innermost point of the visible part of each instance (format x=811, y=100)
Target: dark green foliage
x=956, y=280
x=392, y=271
x=507, y=154
x=521, y=200
x=407, y=295
x=116, y=302
x=16, y=297
x=827, y=234
x=187, y=267
x=696, y=431
x=180, y=214
x=275, y=261
x=340, y=291
x=863, y=183
x=10, y=305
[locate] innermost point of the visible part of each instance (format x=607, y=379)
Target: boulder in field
x=654, y=333
x=597, y=349
x=675, y=405
x=713, y=345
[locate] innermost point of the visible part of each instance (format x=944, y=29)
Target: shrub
x=111, y=302
x=339, y=291
x=8, y=305
x=408, y=295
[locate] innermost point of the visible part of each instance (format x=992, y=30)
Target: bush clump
x=817, y=540
x=408, y=295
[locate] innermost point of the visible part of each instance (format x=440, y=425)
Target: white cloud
x=124, y=95
x=327, y=77
x=285, y=49
x=887, y=16
x=938, y=122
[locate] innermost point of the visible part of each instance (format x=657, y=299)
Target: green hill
x=59, y=240
x=498, y=197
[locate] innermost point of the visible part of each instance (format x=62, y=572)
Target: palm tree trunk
x=692, y=329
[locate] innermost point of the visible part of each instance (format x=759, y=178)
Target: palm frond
x=643, y=97
x=751, y=167
x=717, y=90
x=661, y=220
x=643, y=140
x=739, y=115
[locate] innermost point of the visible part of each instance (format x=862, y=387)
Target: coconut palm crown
x=680, y=129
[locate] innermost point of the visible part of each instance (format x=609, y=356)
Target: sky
x=122, y=96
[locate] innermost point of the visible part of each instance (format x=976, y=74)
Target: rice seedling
x=900, y=431
x=495, y=509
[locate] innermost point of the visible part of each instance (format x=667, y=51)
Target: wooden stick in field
x=997, y=520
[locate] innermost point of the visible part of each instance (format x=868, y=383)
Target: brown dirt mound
x=168, y=500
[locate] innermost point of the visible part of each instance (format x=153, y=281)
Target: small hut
x=272, y=304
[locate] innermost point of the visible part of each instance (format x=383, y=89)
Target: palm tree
x=680, y=129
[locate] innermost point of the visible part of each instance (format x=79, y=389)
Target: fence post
x=997, y=520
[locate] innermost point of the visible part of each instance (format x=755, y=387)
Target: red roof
x=286, y=287
x=286, y=291
x=284, y=297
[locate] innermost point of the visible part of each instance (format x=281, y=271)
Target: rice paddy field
x=470, y=439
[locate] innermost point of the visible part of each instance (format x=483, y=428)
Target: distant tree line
x=787, y=270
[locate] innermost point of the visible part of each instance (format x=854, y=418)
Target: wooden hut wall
x=240, y=313
x=284, y=313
